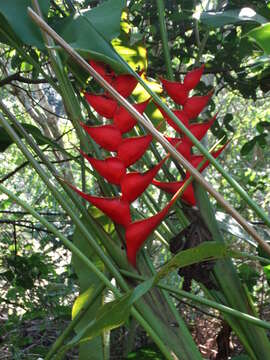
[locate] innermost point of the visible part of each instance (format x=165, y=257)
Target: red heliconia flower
x=177, y=91
x=199, y=130
x=103, y=105
x=125, y=84
x=124, y=120
x=181, y=116
x=116, y=209
x=107, y=136
x=132, y=149
x=195, y=104
x=134, y=184
x=112, y=169
x=173, y=186
x=103, y=70
x=184, y=147
x=195, y=160
x=193, y=77
x=138, y=231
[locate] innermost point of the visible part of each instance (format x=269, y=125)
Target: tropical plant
x=112, y=246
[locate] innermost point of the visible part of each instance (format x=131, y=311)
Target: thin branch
x=17, y=77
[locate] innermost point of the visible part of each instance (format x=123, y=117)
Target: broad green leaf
x=6, y=141
x=221, y=18
x=90, y=32
x=15, y=14
x=261, y=35
x=249, y=275
x=109, y=316
x=134, y=55
x=87, y=280
x=208, y=250
x=246, y=149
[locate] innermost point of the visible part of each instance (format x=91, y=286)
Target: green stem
x=67, y=332
x=164, y=38
x=91, y=267
x=203, y=301
x=66, y=205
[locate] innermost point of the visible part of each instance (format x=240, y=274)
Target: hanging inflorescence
x=129, y=150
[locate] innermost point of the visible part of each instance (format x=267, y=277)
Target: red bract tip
x=183, y=147
x=195, y=104
x=124, y=120
x=112, y=169
x=179, y=113
x=115, y=208
x=193, y=77
x=138, y=232
x=173, y=186
x=107, y=136
x=195, y=160
x=103, y=105
x=125, y=84
x=199, y=130
x=103, y=70
x=132, y=149
x=177, y=91
x=134, y=184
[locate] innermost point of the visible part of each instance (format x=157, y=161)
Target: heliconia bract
x=124, y=120
x=107, y=136
x=195, y=104
x=138, y=231
x=115, y=208
x=132, y=149
x=125, y=84
x=134, y=184
x=193, y=77
x=184, y=147
x=177, y=91
x=103, y=70
x=181, y=116
x=112, y=169
x=173, y=186
x=199, y=130
x=103, y=105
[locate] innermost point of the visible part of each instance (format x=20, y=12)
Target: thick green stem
x=164, y=38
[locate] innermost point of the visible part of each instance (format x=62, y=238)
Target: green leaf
x=209, y=250
x=16, y=16
x=226, y=121
x=91, y=32
x=109, y=316
x=263, y=125
x=249, y=275
x=150, y=352
x=6, y=141
x=261, y=35
x=246, y=149
x=221, y=18
x=88, y=281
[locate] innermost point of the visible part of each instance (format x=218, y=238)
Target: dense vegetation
x=60, y=256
